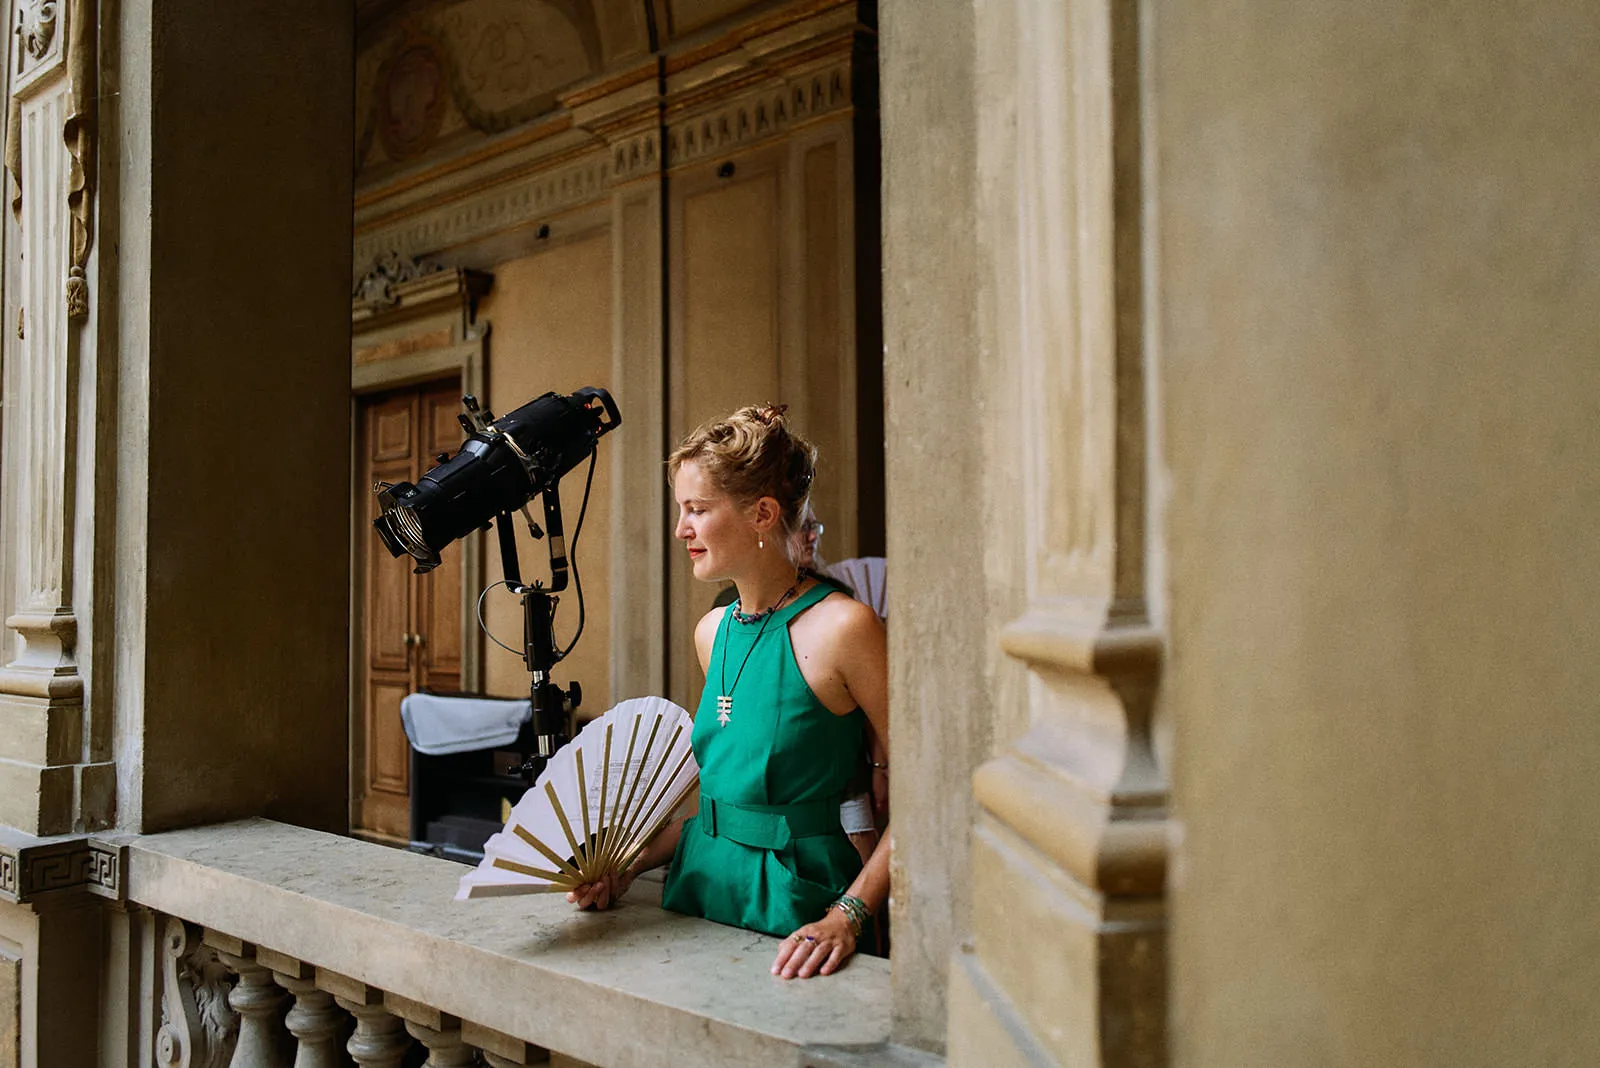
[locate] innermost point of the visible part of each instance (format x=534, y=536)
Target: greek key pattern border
x=56, y=867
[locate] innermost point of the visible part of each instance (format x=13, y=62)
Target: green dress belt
x=767, y=826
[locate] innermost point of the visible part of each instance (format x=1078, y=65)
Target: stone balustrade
x=280, y=946
x=283, y=1011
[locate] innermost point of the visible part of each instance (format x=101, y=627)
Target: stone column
x=259, y=1003
x=54, y=765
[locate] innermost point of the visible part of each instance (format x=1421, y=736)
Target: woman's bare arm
x=855, y=653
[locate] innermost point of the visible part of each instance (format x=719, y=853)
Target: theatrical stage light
x=501, y=466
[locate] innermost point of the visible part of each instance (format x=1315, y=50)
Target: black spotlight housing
x=502, y=464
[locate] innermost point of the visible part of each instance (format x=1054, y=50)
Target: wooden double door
x=410, y=628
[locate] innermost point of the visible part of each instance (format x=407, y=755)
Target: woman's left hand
x=816, y=949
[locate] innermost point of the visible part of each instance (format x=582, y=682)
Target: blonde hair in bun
x=751, y=454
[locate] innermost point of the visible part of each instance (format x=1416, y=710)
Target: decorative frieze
x=756, y=116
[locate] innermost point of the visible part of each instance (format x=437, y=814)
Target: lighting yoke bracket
x=552, y=707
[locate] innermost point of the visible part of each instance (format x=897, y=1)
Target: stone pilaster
x=1063, y=959
x=54, y=763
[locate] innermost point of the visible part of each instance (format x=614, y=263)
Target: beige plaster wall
x=551, y=330
x=234, y=362
x=1380, y=302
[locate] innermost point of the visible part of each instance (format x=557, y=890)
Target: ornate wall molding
x=501, y=207
x=375, y=289
x=770, y=111
x=36, y=31
x=752, y=117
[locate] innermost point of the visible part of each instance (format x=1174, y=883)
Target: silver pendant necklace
x=725, y=697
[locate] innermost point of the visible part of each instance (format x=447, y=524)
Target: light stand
x=550, y=725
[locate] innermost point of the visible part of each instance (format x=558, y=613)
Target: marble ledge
x=634, y=986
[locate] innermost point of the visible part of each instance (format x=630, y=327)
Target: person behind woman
x=796, y=678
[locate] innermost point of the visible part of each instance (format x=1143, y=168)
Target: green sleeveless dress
x=766, y=851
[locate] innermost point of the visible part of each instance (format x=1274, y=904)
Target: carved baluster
x=316, y=1023
x=445, y=1048
x=380, y=1041
x=259, y=1003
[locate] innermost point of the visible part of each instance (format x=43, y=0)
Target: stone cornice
x=33, y=868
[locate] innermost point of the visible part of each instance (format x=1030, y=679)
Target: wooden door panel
x=389, y=437
x=388, y=754
x=388, y=616
x=441, y=429
x=411, y=628
x=439, y=609
x=439, y=592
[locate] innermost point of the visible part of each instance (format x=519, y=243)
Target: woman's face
x=717, y=532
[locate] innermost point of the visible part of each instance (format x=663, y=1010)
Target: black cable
x=572, y=552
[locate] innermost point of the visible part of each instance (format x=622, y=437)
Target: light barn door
x=411, y=629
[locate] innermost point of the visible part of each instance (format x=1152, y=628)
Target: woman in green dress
x=796, y=678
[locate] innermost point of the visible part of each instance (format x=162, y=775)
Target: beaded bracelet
x=855, y=913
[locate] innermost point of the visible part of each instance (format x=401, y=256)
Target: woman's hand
x=603, y=893
x=816, y=949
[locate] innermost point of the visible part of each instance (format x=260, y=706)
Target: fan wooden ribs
x=636, y=795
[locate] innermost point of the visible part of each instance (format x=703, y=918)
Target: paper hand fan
x=601, y=798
